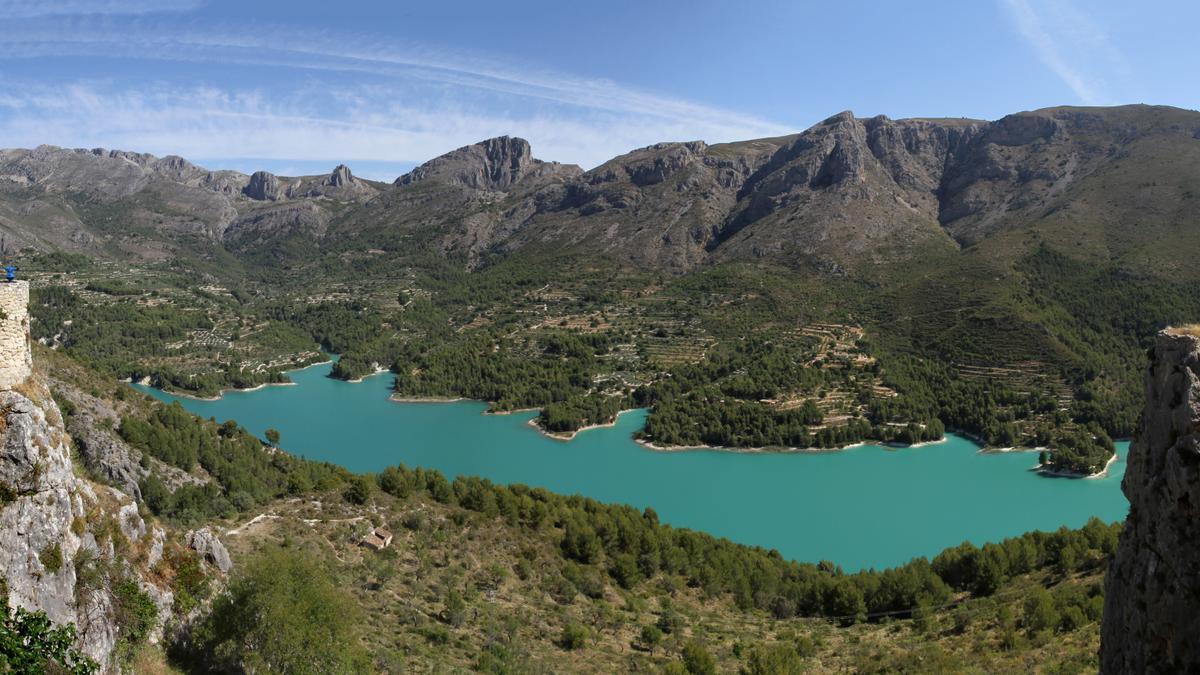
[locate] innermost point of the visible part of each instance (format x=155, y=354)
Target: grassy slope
x=515, y=612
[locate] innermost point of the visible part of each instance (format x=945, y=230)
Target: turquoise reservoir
x=863, y=507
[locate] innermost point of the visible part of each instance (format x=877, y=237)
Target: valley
x=754, y=348
x=980, y=277
x=799, y=504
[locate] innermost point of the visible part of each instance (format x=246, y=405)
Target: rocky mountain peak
x=1150, y=620
x=494, y=164
x=263, y=186
x=842, y=118
x=341, y=177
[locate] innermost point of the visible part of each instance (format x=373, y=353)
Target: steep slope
x=1150, y=620
x=51, y=522
x=846, y=191
x=460, y=203
x=659, y=205
x=75, y=549
x=847, y=194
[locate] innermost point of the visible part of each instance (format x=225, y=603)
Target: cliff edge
x=75, y=549
x=1153, y=587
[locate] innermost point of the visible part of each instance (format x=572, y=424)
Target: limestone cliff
x=494, y=164
x=69, y=546
x=1153, y=588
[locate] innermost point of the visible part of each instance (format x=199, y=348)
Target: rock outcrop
x=341, y=177
x=1153, y=587
x=494, y=164
x=108, y=458
x=206, y=544
x=263, y=186
x=69, y=547
x=55, y=527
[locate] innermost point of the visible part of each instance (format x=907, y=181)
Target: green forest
x=714, y=355
x=630, y=546
x=244, y=473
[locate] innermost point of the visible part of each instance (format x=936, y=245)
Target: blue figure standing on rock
x=10, y=273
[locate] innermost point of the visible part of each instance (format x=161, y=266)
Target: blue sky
x=296, y=87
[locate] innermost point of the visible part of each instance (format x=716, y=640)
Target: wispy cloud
x=21, y=9
x=370, y=101
x=1069, y=42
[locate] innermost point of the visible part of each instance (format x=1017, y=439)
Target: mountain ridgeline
x=846, y=193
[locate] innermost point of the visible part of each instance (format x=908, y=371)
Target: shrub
x=778, y=659
x=282, y=612
x=360, y=489
x=697, y=660
x=135, y=615
x=574, y=636
x=650, y=637
x=52, y=558
x=30, y=643
x=455, y=612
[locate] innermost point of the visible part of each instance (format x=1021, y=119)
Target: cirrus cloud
x=337, y=97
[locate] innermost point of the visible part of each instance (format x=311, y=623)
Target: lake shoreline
x=378, y=370
x=650, y=445
x=233, y=390
x=749, y=497
x=145, y=382
x=1054, y=473
x=570, y=435
x=396, y=398
x=1062, y=473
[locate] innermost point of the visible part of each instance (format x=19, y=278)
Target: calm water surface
x=863, y=507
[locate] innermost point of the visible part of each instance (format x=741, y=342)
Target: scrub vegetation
x=513, y=579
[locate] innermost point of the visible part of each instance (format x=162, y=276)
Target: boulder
x=205, y=542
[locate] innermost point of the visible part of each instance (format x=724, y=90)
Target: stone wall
x=16, y=361
x=1152, y=595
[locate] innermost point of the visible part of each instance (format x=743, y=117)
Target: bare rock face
x=44, y=527
x=341, y=177
x=494, y=164
x=106, y=456
x=36, y=541
x=258, y=228
x=1151, y=624
x=263, y=186
x=205, y=542
x=55, y=527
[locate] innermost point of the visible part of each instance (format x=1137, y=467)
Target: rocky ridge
x=1153, y=586
x=848, y=194
x=845, y=193
x=54, y=197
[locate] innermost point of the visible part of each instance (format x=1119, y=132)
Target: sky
x=297, y=87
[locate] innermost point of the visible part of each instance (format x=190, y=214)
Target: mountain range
x=847, y=194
